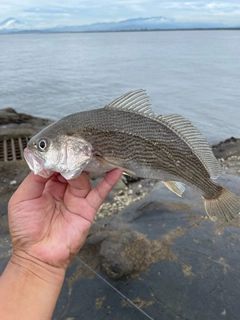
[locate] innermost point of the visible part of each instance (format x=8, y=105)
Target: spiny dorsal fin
x=134, y=101
x=193, y=137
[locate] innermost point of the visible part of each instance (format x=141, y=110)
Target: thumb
x=97, y=195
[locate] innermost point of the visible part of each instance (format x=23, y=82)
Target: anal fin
x=176, y=187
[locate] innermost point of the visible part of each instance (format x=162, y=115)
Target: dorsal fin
x=193, y=137
x=134, y=101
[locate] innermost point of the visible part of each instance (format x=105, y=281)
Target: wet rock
x=11, y=116
x=112, y=259
x=127, y=253
x=14, y=125
x=228, y=153
x=227, y=148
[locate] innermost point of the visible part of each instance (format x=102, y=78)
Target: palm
x=53, y=226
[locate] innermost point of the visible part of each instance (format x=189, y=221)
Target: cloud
x=47, y=11
x=86, y=12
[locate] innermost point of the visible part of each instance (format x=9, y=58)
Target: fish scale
x=126, y=134
x=115, y=143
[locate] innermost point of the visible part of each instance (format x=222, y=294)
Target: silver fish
x=127, y=134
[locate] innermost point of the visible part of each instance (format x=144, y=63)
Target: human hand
x=49, y=219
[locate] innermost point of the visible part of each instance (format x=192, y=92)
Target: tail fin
x=225, y=207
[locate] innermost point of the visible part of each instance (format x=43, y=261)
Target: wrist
x=29, y=288
x=30, y=266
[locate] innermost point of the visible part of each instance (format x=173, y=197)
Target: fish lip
x=34, y=162
x=31, y=159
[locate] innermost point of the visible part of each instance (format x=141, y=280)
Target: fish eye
x=43, y=144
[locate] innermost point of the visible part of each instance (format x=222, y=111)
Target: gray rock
x=11, y=116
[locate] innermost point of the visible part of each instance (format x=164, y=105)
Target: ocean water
x=192, y=73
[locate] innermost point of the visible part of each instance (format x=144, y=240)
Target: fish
x=126, y=134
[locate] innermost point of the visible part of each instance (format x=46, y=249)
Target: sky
x=43, y=13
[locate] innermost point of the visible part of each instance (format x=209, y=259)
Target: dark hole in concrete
x=11, y=149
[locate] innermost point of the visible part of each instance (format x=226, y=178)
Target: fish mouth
x=36, y=164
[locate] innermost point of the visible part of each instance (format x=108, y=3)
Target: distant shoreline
x=116, y=31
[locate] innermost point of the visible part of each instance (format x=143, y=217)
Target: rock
x=227, y=148
x=228, y=153
x=112, y=259
x=15, y=124
x=10, y=116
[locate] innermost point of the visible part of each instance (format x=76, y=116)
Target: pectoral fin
x=109, y=164
x=176, y=187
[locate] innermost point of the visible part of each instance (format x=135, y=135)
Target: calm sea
x=193, y=73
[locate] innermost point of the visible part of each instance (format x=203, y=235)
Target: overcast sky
x=72, y=12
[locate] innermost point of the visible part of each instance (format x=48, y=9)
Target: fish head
x=68, y=155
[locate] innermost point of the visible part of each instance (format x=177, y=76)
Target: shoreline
x=120, y=31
